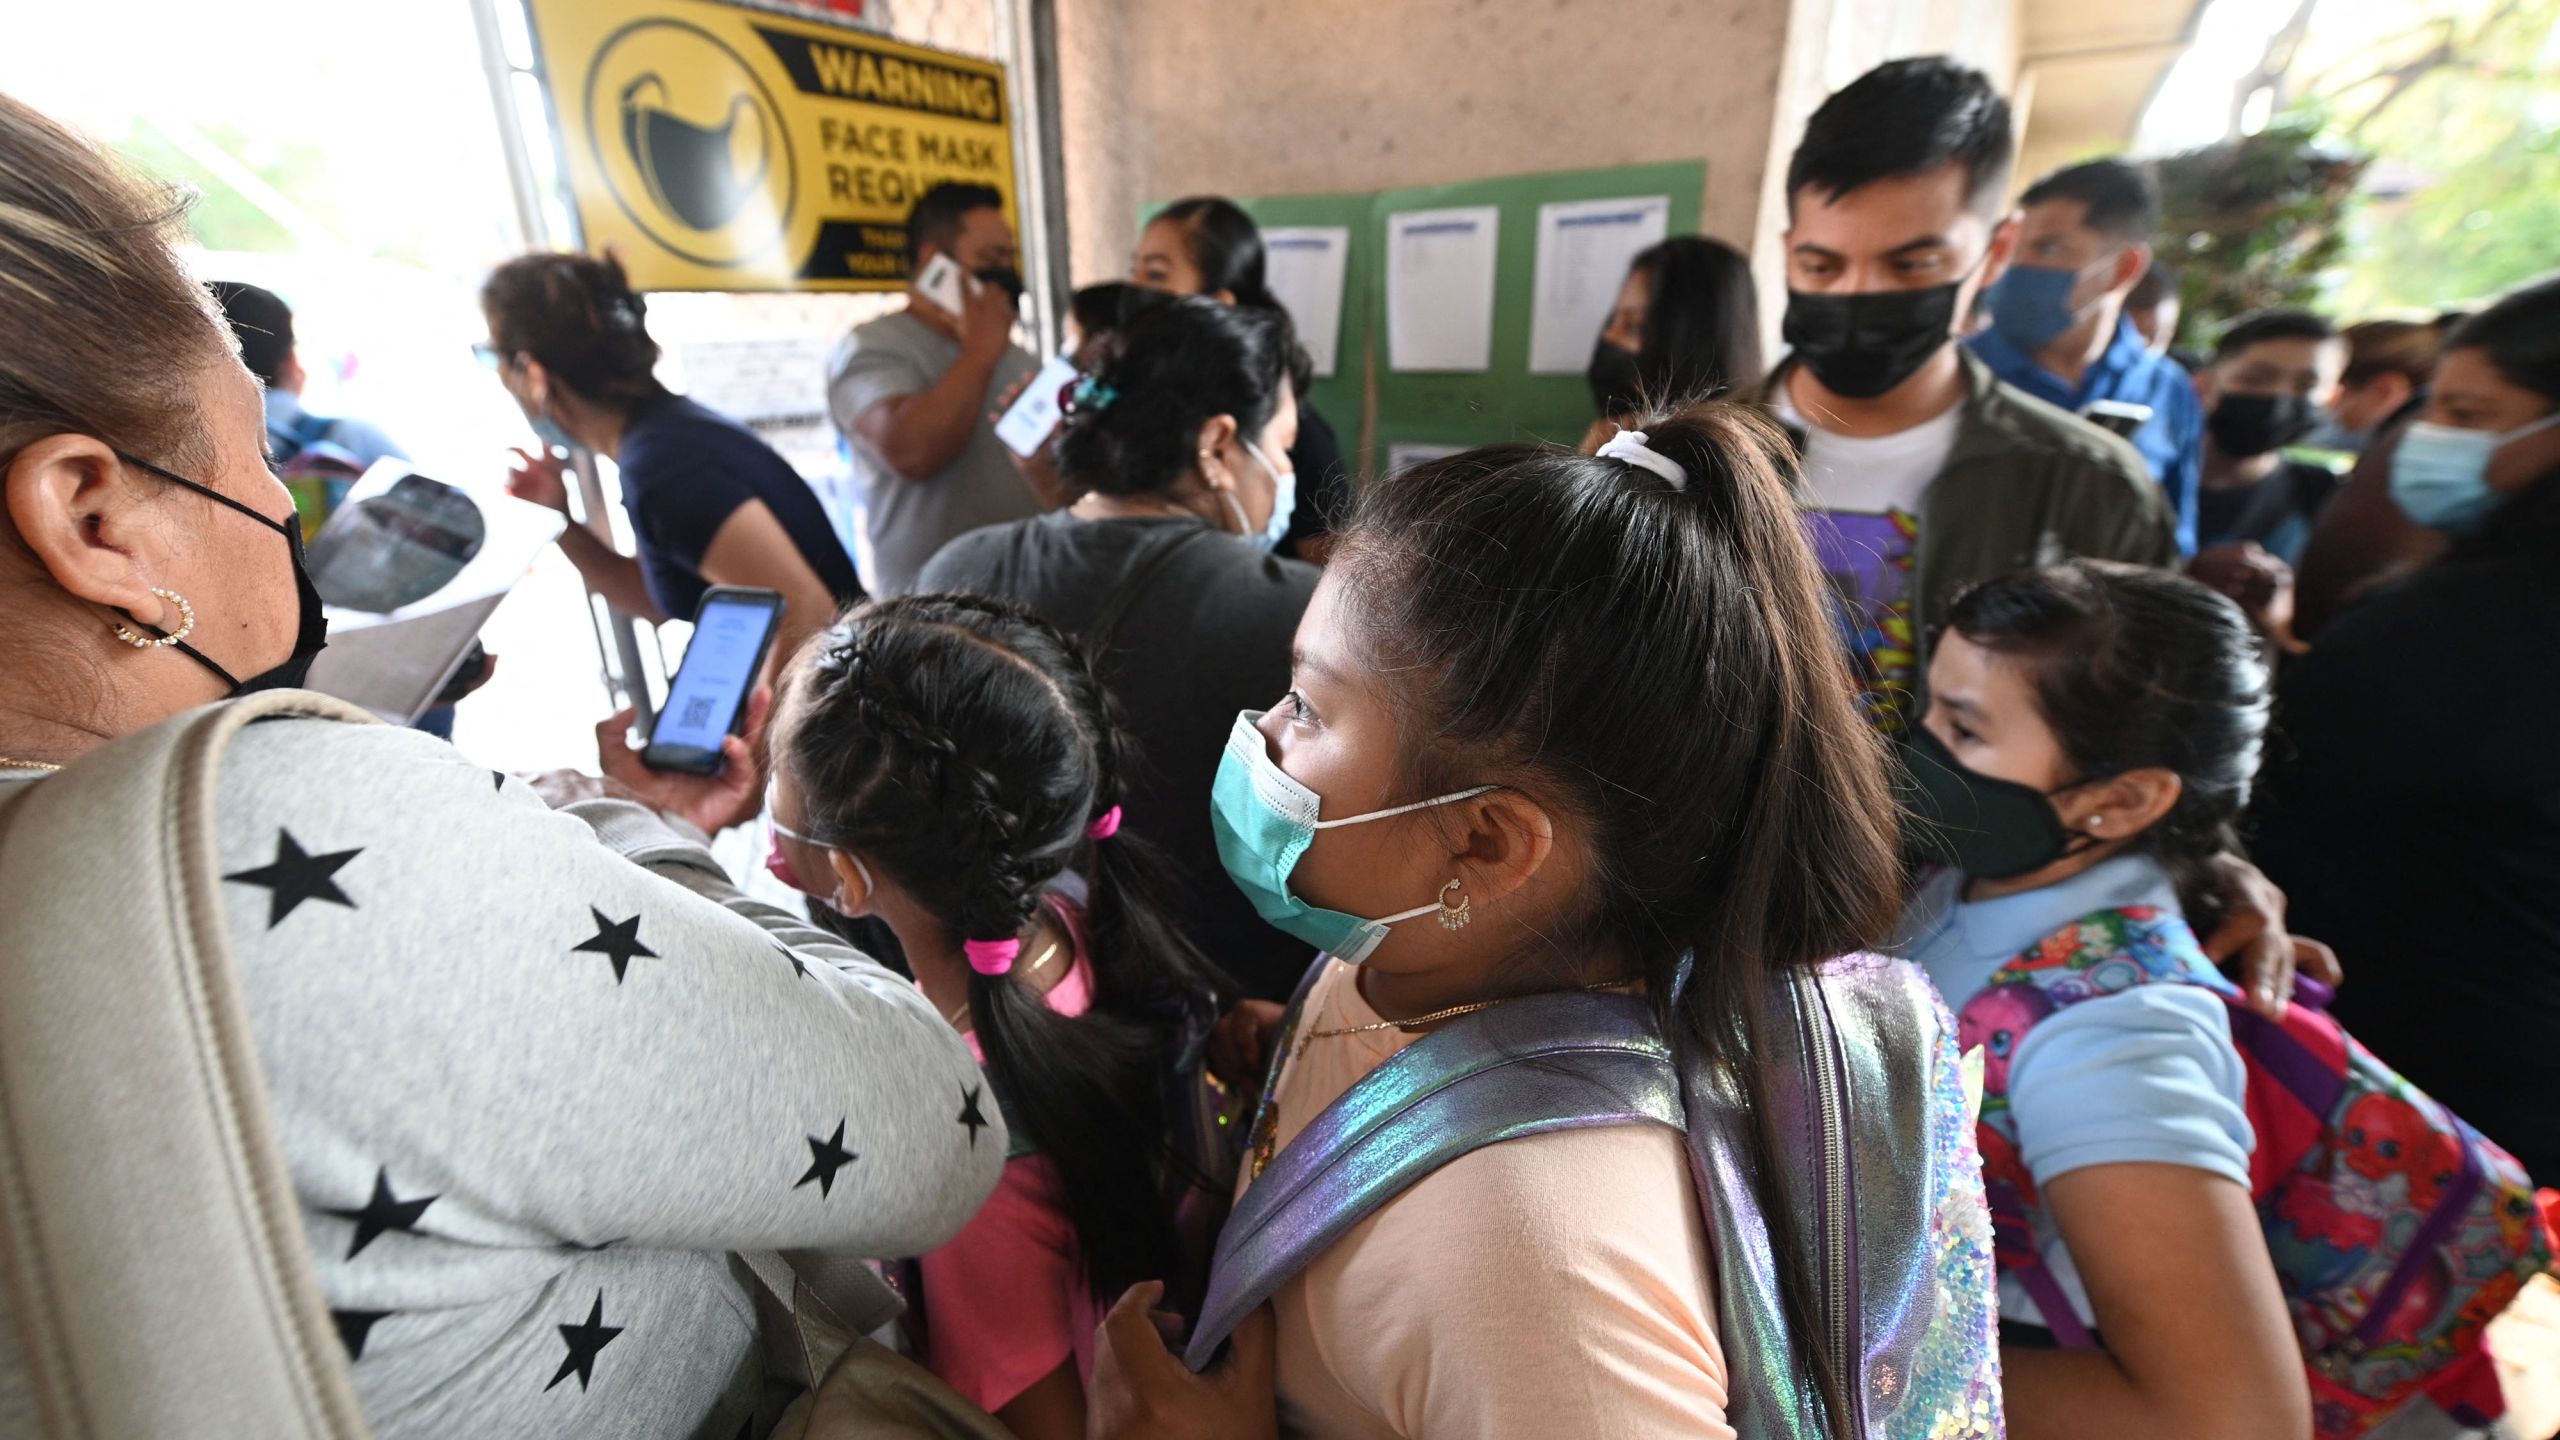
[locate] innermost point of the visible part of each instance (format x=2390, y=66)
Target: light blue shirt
x=2147, y=1074
x=359, y=438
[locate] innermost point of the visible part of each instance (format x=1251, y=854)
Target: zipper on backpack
x=1833, y=1207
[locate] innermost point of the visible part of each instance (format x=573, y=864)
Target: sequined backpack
x=2398, y=1231
x=1863, y=1069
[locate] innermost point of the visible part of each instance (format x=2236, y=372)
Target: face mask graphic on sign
x=692, y=171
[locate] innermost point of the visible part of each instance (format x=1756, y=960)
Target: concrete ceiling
x=2093, y=65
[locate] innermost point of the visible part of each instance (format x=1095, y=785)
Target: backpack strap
x=306, y=431
x=1544, y=1062
x=152, y=1252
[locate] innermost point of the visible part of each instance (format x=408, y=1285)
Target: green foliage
x=2471, y=130
x=2256, y=221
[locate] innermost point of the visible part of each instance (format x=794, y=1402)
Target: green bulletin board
x=1343, y=395
x=1505, y=402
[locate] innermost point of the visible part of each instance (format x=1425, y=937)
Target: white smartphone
x=941, y=282
x=1035, y=413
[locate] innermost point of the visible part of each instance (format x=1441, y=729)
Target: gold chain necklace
x=28, y=764
x=958, y=1018
x=1452, y=1012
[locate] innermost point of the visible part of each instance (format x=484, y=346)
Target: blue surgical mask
x=2440, y=473
x=2031, y=305
x=1284, y=501
x=1265, y=820
x=548, y=431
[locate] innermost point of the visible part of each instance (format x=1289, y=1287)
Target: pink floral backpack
x=2398, y=1231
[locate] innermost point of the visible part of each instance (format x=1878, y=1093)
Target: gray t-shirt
x=910, y=519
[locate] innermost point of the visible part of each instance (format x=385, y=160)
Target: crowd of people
x=1836, y=906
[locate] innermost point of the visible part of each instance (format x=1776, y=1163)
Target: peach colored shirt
x=1553, y=1286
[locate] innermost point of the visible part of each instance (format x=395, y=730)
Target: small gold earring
x=1454, y=917
x=186, y=624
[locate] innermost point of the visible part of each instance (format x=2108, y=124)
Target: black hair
x=2133, y=668
x=2159, y=283
x=1702, y=329
x=1099, y=309
x=1172, y=367
x=2520, y=334
x=263, y=324
x=1225, y=247
x=2406, y=348
x=1907, y=117
x=939, y=214
x=1658, y=663
x=579, y=316
x=2121, y=198
x=965, y=747
x=2260, y=326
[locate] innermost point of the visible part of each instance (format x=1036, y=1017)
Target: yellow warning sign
x=716, y=147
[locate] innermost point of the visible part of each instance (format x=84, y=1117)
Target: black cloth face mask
x=1863, y=344
x=1005, y=278
x=1614, y=381
x=309, y=639
x=2247, y=426
x=1990, y=829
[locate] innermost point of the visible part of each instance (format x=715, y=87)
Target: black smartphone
x=732, y=628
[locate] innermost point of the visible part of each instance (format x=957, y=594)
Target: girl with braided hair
x=951, y=766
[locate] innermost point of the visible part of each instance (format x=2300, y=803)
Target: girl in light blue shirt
x=2091, y=734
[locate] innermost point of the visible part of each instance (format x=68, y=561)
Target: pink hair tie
x=991, y=957
x=1107, y=826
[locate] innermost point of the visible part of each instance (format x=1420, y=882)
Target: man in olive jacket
x=1922, y=472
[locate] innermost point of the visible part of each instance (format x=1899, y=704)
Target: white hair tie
x=1628, y=445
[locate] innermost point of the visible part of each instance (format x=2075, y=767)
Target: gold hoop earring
x=186, y=624
x=1454, y=917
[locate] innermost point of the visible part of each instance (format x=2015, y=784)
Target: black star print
x=385, y=1211
x=353, y=1327
x=617, y=941
x=970, y=1115
x=786, y=954
x=297, y=876
x=826, y=1157
x=586, y=1342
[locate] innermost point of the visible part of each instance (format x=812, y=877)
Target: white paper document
x=1303, y=265
x=1440, y=288
x=1584, y=247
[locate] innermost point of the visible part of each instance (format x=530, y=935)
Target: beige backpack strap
x=153, y=1271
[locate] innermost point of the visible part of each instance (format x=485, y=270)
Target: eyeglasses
x=489, y=354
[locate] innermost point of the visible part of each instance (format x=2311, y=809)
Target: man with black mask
x=911, y=391
x=2274, y=375
x=1922, y=471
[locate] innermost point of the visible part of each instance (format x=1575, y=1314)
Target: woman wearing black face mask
x=417, y=1084
x=1686, y=325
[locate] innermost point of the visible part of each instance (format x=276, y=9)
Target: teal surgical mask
x=1264, y=821
x=2440, y=473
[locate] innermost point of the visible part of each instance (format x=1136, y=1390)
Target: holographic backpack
x=2398, y=1231
x=1863, y=1072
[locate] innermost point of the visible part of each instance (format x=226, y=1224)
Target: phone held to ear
x=1035, y=413
x=944, y=283
x=732, y=629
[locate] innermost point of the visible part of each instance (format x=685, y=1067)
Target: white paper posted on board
x=1303, y=265
x=1440, y=288
x=1584, y=248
